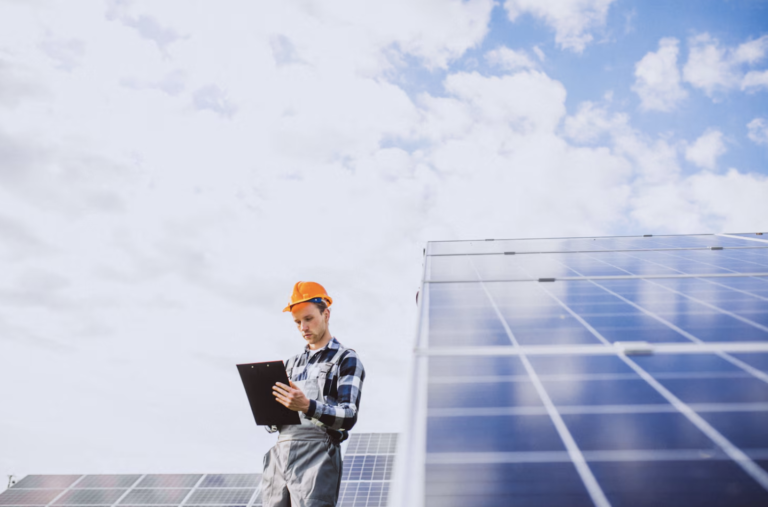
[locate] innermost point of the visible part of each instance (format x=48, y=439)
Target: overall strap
x=290, y=364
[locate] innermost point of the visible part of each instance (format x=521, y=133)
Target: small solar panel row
x=367, y=471
x=215, y=489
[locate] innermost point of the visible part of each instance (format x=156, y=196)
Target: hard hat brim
x=288, y=308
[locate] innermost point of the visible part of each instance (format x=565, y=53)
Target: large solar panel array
x=590, y=371
x=367, y=473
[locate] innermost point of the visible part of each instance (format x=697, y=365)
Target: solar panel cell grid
x=169, y=481
x=363, y=494
x=492, y=434
x=214, y=496
x=231, y=481
x=371, y=443
x=15, y=496
x=47, y=481
x=757, y=360
x=496, y=484
x=700, y=483
x=155, y=497
x=367, y=468
x=90, y=497
x=108, y=481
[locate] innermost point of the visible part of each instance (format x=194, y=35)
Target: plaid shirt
x=343, y=387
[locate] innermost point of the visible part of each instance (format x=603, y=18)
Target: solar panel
x=108, y=481
x=367, y=471
x=231, y=481
x=47, y=481
x=367, y=468
x=90, y=497
x=371, y=443
x=590, y=371
x=17, y=496
x=169, y=481
x=166, y=496
x=218, y=496
x=363, y=494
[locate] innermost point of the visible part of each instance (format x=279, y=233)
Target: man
x=304, y=468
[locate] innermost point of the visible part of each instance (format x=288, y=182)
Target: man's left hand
x=291, y=397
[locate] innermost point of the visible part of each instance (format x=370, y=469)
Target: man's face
x=311, y=323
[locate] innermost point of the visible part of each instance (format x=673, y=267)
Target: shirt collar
x=333, y=344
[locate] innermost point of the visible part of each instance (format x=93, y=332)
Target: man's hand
x=291, y=397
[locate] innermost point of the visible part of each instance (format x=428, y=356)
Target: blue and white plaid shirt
x=342, y=388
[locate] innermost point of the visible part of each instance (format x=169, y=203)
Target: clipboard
x=258, y=380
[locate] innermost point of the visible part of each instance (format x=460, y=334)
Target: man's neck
x=322, y=343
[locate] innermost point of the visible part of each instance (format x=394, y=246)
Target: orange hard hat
x=308, y=291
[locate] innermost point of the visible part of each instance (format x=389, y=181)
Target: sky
x=170, y=168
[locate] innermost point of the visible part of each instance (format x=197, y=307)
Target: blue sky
x=169, y=169
x=631, y=30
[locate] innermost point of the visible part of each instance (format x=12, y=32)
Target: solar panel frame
x=719, y=295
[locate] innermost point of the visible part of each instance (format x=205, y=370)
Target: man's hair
x=322, y=306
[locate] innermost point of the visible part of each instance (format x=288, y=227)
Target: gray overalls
x=303, y=469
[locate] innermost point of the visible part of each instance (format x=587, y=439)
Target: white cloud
x=212, y=98
x=283, y=50
x=705, y=151
x=657, y=79
x=509, y=59
x=755, y=80
x=730, y=202
x=146, y=26
x=758, y=130
x=66, y=53
x=662, y=196
x=751, y=51
x=708, y=66
x=592, y=122
x=526, y=101
x=572, y=20
x=716, y=69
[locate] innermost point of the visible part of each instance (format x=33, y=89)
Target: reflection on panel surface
x=598, y=311
x=524, y=394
